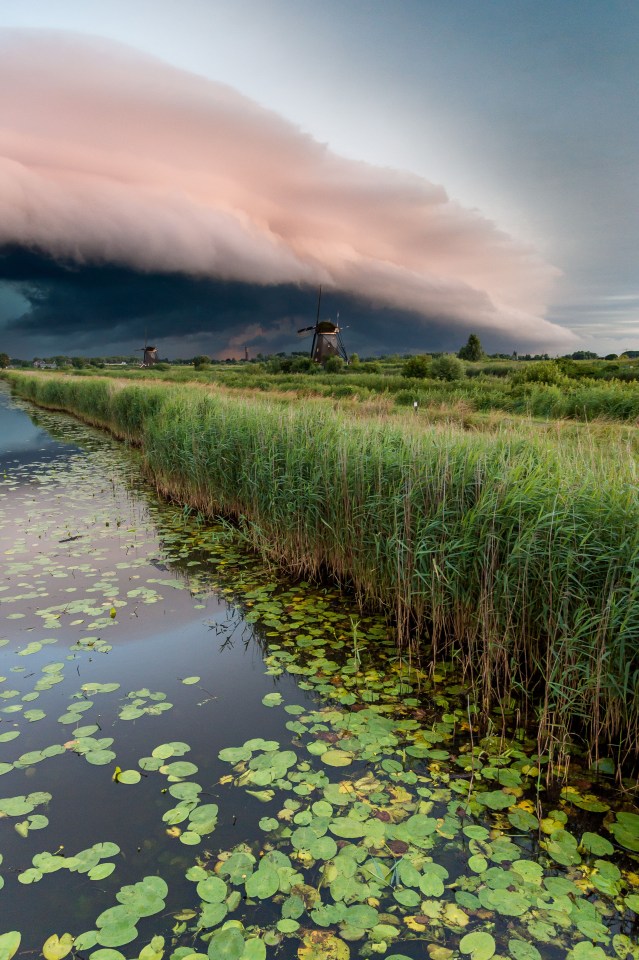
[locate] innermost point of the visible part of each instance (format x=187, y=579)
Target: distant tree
x=447, y=367
x=354, y=361
x=473, y=350
x=201, y=361
x=417, y=367
x=5, y=360
x=611, y=356
x=581, y=355
x=334, y=365
x=77, y=363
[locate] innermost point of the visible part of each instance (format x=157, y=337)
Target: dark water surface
x=357, y=816
x=77, y=539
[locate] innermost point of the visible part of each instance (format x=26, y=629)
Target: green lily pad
x=128, y=776
x=212, y=890
x=55, y=947
x=336, y=758
x=626, y=830
x=264, y=883
x=226, y=944
x=101, y=871
x=480, y=945
x=597, y=845
x=9, y=944
x=272, y=699
x=523, y=950
x=117, y=934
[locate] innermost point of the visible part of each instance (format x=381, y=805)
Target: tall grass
x=512, y=552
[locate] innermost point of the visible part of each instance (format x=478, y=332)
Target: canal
x=199, y=758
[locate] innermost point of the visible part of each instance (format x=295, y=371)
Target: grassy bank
x=514, y=554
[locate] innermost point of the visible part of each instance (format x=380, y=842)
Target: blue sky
x=523, y=111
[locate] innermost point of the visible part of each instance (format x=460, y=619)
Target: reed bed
x=512, y=552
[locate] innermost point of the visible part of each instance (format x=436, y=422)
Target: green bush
x=544, y=371
x=334, y=365
x=417, y=367
x=447, y=367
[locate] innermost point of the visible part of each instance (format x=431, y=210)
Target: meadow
x=564, y=389
x=511, y=550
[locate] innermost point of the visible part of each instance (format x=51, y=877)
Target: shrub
x=545, y=371
x=334, y=365
x=417, y=367
x=302, y=365
x=447, y=367
x=201, y=361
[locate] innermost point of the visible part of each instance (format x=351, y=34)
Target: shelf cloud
x=111, y=158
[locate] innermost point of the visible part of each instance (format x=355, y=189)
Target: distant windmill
x=327, y=339
x=149, y=354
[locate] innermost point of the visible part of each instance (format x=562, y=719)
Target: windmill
x=149, y=354
x=327, y=339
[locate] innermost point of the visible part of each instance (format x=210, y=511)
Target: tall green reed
x=514, y=554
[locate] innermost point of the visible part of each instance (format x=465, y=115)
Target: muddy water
x=193, y=750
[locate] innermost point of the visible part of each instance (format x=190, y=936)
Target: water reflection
x=89, y=584
x=21, y=436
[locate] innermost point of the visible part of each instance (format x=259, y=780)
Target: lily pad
x=321, y=945
x=480, y=945
x=9, y=944
x=55, y=948
x=226, y=944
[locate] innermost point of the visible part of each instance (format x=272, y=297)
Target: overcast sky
x=440, y=167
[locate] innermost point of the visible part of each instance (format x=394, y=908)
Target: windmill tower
x=327, y=339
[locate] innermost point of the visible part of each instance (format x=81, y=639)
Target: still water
x=198, y=758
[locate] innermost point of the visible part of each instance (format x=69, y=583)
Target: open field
x=606, y=391
x=511, y=551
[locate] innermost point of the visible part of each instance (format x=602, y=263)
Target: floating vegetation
x=371, y=815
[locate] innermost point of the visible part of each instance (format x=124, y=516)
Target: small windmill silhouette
x=327, y=339
x=149, y=354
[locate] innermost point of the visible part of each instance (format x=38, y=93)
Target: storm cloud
x=111, y=160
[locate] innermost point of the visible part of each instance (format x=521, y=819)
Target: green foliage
x=302, y=365
x=538, y=540
x=5, y=360
x=417, y=367
x=472, y=350
x=447, y=367
x=201, y=361
x=545, y=371
x=334, y=365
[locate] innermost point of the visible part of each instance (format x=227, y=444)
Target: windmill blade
x=306, y=329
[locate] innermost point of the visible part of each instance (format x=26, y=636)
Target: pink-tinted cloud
x=110, y=156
